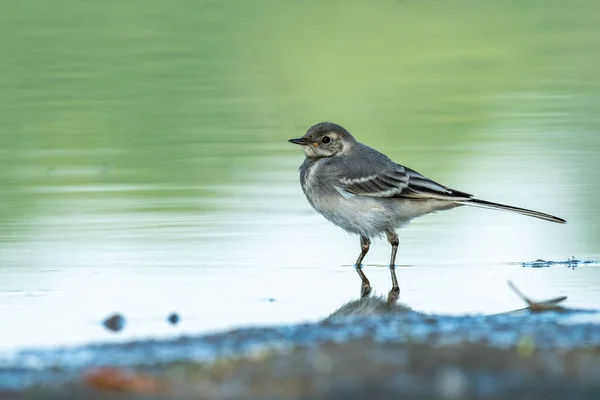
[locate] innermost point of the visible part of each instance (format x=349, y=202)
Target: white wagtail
x=366, y=193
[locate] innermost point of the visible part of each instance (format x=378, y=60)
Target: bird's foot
x=393, y=295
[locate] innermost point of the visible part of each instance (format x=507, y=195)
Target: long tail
x=524, y=211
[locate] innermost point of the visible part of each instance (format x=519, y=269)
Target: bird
x=365, y=193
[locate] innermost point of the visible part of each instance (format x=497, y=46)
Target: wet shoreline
x=384, y=351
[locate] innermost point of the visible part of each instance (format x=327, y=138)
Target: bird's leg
x=365, y=287
x=395, y=292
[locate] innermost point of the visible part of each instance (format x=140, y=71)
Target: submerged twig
x=539, y=306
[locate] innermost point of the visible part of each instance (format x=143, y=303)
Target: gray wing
x=388, y=179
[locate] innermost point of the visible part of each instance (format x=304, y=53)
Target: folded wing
x=394, y=180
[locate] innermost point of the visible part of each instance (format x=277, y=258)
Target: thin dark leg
x=365, y=287
x=395, y=292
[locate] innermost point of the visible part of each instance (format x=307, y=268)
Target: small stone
x=115, y=322
x=173, y=318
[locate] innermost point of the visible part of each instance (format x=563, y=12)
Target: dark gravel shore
x=365, y=350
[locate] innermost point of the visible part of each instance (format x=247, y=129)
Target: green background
x=189, y=92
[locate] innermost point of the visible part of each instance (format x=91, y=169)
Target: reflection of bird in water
x=364, y=192
x=370, y=305
x=375, y=305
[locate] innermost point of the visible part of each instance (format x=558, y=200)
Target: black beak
x=299, y=141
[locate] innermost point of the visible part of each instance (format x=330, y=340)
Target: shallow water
x=263, y=259
x=152, y=174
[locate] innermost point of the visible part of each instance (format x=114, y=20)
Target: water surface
x=146, y=168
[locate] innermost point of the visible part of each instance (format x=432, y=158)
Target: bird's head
x=325, y=139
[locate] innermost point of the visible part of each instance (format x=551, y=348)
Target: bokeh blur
x=146, y=169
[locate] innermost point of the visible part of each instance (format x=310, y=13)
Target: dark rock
x=115, y=322
x=173, y=318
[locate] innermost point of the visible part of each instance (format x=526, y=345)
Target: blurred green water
x=168, y=93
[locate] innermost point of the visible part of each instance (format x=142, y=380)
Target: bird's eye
x=326, y=139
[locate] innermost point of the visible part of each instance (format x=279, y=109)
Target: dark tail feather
x=524, y=211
